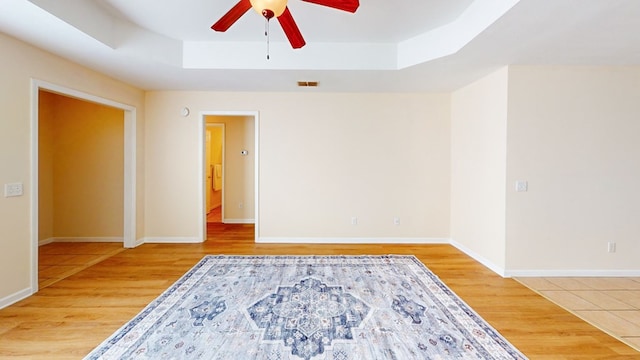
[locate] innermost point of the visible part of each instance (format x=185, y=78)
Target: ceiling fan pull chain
x=266, y=33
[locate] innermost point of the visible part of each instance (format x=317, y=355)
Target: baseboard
x=80, y=239
x=324, y=240
x=171, y=240
x=15, y=297
x=573, y=273
x=239, y=221
x=46, y=241
x=543, y=273
x=481, y=259
x=138, y=242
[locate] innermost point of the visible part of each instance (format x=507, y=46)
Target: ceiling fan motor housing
x=269, y=8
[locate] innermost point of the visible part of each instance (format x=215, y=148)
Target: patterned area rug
x=307, y=307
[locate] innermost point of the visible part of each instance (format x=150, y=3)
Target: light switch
x=522, y=186
x=14, y=189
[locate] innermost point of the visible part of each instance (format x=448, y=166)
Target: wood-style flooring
x=68, y=318
x=58, y=261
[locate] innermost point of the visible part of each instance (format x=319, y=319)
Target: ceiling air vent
x=307, y=83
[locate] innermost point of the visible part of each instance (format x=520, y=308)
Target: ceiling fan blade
x=232, y=16
x=291, y=29
x=345, y=5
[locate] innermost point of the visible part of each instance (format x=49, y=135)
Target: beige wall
x=571, y=132
x=239, y=171
x=81, y=162
x=574, y=134
x=478, y=158
x=22, y=63
x=323, y=159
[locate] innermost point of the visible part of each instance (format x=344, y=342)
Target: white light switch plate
x=14, y=189
x=522, y=186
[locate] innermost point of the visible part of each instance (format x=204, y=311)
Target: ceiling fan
x=278, y=9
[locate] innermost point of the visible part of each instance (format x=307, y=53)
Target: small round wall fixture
x=185, y=111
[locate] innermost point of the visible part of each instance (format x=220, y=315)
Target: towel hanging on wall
x=217, y=177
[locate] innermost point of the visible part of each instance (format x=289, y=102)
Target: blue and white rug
x=307, y=307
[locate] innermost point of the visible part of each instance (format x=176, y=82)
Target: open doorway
x=214, y=168
x=229, y=172
x=80, y=167
x=80, y=187
x=83, y=170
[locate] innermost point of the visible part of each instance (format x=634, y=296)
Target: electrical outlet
x=240, y=205
x=354, y=221
x=396, y=221
x=14, y=189
x=611, y=247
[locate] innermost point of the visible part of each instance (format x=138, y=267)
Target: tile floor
x=610, y=304
x=57, y=261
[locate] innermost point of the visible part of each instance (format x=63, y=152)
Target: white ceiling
x=191, y=20
x=386, y=46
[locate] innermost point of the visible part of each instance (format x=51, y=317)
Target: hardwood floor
x=69, y=318
x=58, y=261
x=215, y=215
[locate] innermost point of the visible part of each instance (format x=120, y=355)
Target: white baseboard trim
x=543, y=273
x=138, y=242
x=15, y=297
x=239, y=221
x=46, y=241
x=171, y=240
x=324, y=240
x=573, y=273
x=482, y=260
x=80, y=239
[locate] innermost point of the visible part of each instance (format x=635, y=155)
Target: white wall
x=324, y=158
x=574, y=134
x=20, y=64
x=478, y=158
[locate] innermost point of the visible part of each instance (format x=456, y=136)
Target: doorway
x=41, y=177
x=237, y=170
x=214, y=169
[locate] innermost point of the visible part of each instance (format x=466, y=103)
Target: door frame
x=130, y=121
x=201, y=175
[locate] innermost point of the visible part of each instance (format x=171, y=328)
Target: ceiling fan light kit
x=279, y=10
x=272, y=7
